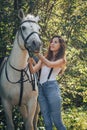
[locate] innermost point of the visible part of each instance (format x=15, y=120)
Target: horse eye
x=40, y=30
x=23, y=28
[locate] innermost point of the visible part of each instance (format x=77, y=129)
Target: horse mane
x=30, y=17
x=1, y=59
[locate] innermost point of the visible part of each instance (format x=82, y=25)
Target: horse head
x=29, y=32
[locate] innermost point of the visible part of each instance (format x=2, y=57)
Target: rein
x=23, y=73
x=22, y=70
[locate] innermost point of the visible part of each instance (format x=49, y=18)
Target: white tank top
x=45, y=72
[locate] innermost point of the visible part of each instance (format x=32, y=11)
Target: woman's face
x=55, y=45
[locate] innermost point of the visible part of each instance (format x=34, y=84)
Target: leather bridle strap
x=25, y=39
x=24, y=70
x=28, y=22
x=33, y=80
x=21, y=80
x=21, y=88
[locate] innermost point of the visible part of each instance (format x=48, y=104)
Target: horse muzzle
x=34, y=47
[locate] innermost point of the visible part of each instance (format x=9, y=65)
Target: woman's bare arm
x=34, y=67
x=52, y=64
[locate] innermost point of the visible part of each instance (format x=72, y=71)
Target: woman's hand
x=52, y=64
x=40, y=56
x=34, y=67
x=31, y=61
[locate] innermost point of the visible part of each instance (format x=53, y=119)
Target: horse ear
x=21, y=14
x=37, y=18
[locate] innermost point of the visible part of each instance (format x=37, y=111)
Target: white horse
x=17, y=85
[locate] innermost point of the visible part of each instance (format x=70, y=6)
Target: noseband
x=25, y=39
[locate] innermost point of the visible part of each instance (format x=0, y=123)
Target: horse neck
x=18, y=57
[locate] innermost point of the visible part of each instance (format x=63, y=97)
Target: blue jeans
x=50, y=104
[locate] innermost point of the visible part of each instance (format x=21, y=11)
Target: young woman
x=49, y=92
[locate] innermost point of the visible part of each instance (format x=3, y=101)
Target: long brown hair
x=61, y=51
x=60, y=54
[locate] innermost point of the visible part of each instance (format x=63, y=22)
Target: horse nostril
x=34, y=43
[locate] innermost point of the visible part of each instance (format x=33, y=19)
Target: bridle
x=23, y=72
x=27, y=38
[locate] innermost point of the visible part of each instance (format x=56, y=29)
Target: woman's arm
x=34, y=67
x=52, y=64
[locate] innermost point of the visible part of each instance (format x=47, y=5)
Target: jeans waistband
x=48, y=82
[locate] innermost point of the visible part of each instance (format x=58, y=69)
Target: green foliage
x=63, y=17
x=75, y=119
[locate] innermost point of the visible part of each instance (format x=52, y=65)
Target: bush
x=75, y=119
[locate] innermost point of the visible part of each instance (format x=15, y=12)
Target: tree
x=63, y=17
